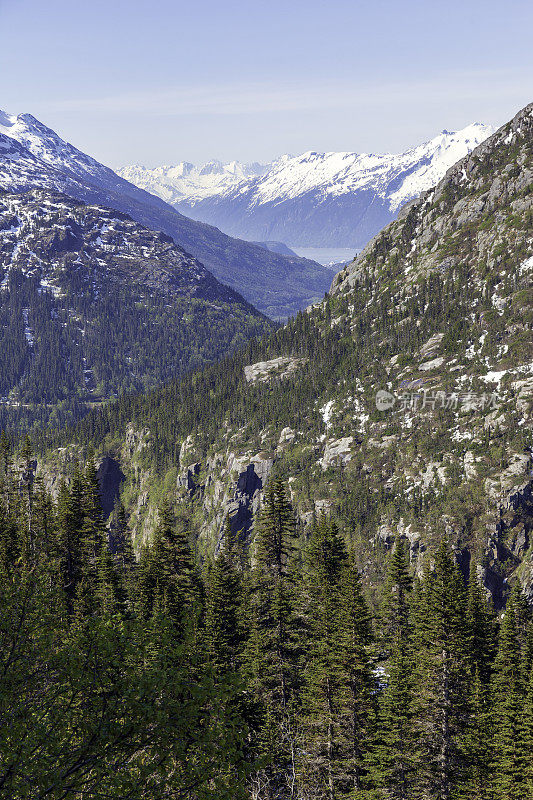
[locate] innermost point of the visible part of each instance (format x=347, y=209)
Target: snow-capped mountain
x=189, y=184
x=315, y=199
x=34, y=156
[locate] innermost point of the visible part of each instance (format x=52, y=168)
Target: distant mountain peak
x=336, y=199
x=6, y=120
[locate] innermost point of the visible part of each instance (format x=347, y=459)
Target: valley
x=321, y=527
x=266, y=422
x=439, y=302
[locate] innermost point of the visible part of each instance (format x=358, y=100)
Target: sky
x=161, y=81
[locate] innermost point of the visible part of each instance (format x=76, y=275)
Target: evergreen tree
x=395, y=606
x=93, y=532
x=97, y=705
x=442, y=673
x=27, y=479
x=480, y=629
x=69, y=545
x=110, y=592
x=222, y=606
x=168, y=582
x=473, y=782
x=526, y=742
x=275, y=532
x=337, y=703
x=273, y=648
x=358, y=716
x=394, y=763
x=121, y=545
x=507, y=699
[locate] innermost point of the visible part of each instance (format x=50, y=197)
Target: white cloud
x=257, y=98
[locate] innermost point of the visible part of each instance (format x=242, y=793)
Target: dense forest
x=93, y=305
x=263, y=672
x=59, y=357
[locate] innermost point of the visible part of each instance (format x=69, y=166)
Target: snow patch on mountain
x=34, y=156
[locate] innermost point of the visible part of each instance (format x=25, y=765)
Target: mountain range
x=34, y=156
x=311, y=200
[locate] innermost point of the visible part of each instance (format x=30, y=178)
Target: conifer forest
x=262, y=674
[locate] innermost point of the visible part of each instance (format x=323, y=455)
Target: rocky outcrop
x=337, y=452
x=281, y=367
x=110, y=478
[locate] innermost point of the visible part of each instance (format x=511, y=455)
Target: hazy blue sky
x=160, y=81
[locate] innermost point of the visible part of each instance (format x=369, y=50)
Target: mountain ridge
x=92, y=304
x=32, y=155
x=315, y=199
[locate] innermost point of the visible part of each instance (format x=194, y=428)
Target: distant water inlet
x=328, y=256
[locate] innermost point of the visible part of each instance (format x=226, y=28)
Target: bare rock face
x=280, y=367
x=337, y=452
x=110, y=478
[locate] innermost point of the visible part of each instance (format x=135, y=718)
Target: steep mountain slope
x=402, y=403
x=93, y=304
x=32, y=155
x=315, y=199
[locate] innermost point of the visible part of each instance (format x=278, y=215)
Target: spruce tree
x=507, y=698
x=394, y=760
x=93, y=532
x=222, y=606
x=481, y=630
x=337, y=701
x=473, y=780
x=69, y=537
x=441, y=674
x=526, y=741
x=357, y=718
x=271, y=657
x=168, y=582
x=121, y=545
x=109, y=591
x=395, y=606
